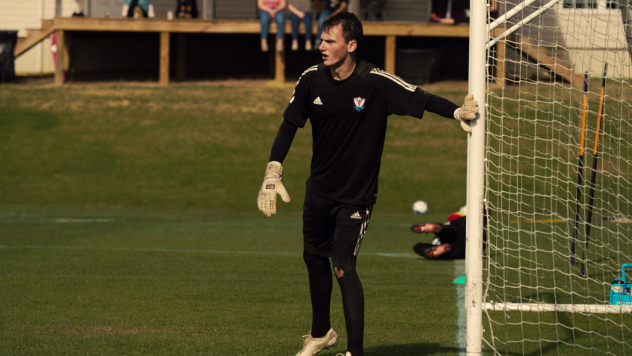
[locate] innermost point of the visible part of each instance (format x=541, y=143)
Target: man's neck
x=344, y=70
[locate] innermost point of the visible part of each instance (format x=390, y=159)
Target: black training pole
x=593, y=177
x=580, y=164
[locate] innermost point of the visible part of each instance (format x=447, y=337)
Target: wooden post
x=501, y=60
x=181, y=69
x=66, y=48
x=279, y=75
x=501, y=53
x=391, y=47
x=59, y=65
x=164, y=59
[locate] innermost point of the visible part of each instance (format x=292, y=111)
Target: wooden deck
x=552, y=63
x=62, y=25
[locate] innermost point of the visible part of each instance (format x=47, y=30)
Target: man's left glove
x=467, y=112
x=270, y=188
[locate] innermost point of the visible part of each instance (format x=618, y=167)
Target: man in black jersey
x=347, y=103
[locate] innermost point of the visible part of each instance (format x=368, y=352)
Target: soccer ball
x=420, y=207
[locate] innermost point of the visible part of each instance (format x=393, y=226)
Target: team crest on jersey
x=359, y=103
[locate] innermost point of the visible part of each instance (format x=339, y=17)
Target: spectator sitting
x=453, y=12
x=331, y=8
x=381, y=4
x=268, y=10
x=138, y=9
x=186, y=9
x=301, y=10
x=450, y=12
x=493, y=9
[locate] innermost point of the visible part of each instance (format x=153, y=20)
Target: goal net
x=553, y=252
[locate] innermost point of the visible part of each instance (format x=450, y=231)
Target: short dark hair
x=351, y=26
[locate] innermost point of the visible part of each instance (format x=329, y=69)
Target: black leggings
x=320, y=287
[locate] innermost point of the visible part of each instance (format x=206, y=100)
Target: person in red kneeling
x=449, y=241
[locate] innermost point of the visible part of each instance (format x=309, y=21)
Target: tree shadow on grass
x=412, y=350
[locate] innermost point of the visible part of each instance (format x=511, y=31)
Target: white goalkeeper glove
x=467, y=112
x=270, y=188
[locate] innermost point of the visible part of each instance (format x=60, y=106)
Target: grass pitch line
x=142, y=249
x=63, y=221
x=461, y=335
x=23, y=219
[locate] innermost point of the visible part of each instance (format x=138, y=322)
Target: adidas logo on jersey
x=356, y=215
x=317, y=101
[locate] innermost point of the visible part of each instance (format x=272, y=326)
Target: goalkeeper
x=347, y=102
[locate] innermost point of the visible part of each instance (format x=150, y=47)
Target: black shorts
x=331, y=228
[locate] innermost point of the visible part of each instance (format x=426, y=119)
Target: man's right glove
x=270, y=188
x=467, y=112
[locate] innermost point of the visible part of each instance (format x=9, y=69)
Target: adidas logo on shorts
x=356, y=215
x=317, y=101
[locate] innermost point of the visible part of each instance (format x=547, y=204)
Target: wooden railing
x=61, y=25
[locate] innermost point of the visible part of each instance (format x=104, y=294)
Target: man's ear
x=352, y=46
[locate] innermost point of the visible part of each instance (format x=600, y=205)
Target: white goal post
x=550, y=169
x=479, y=35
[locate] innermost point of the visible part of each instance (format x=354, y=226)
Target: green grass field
x=129, y=226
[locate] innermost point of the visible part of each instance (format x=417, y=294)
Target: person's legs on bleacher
x=321, y=19
x=280, y=22
x=307, y=20
x=295, y=22
x=264, y=16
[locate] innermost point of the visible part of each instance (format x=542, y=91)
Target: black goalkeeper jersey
x=348, y=121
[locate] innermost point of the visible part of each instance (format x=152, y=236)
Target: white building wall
x=592, y=37
x=619, y=65
x=20, y=15
x=586, y=37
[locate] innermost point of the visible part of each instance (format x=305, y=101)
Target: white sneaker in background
x=312, y=346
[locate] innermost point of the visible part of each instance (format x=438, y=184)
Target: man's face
x=333, y=47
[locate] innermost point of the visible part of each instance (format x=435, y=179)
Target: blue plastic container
x=621, y=292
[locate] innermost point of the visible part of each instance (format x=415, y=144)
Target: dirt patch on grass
x=113, y=92
x=220, y=97
x=188, y=100
x=89, y=87
x=117, y=103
